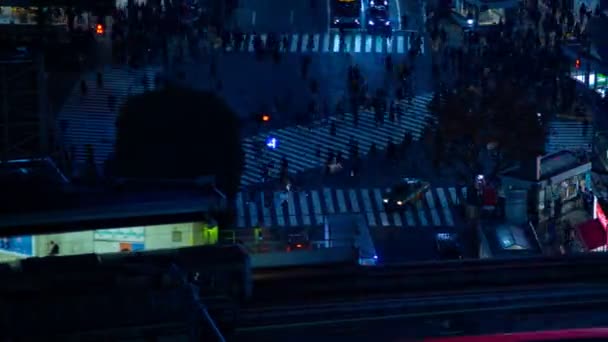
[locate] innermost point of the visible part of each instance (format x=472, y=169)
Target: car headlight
x=470, y=22
x=387, y=23
x=357, y=21
x=336, y=20
x=385, y=200
x=385, y=3
x=371, y=3
x=371, y=23
x=399, y=203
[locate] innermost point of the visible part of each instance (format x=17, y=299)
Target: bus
x=346, y=13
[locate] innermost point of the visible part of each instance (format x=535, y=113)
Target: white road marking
x=278, y=206
x=367, y=205
x=329, y=201
x=251, y=41
x=447, y=213
x=379, y=44
x=336, y=43
x=409, y=217
x=421, y=214
x=380, y=205
x=430, y=201
x=368, y=43
x=293, y=220
x=316, y=207
x=354, y=203
x=397, y=219
x=304, y=207
x=316, y=41
x=347, y=41
x=264, y=36
x=326, y=42
x=294, y=43
x=266, y=212
x=304, y=46
x=341, y=201
x=400, y=44
x=358, y=43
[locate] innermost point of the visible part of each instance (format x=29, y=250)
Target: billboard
x=133, y=235
x=20, y=245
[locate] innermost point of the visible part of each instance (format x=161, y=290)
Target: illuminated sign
x=134, y=234
x=272, y=143
x=21, y=245
x=599, y=213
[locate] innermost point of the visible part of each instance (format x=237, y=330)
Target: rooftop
x=510, y=240
x=551, y=165
x=36, y=198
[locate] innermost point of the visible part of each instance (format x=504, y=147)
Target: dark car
x=378, y=3
x=406, y=192
x=378, y=20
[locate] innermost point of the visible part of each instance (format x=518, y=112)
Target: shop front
x=559, y=185
x=593, y=80
x=483, y=13
x=109, y=240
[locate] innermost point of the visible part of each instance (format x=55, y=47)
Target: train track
x=408, y=307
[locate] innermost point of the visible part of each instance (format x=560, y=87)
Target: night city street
x=237, y=170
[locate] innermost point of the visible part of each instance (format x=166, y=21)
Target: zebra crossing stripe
x=400, y=42
x=264, y=37
x=293, y=219
x=251, y=41
x=357, y=43
x=253, y=213
x=383, y=215
x=379, y=44
x=354, y=202
x=266, y=213
x=329, y=202
x=336, y=43
x=397, y=219
x=464, y=192
x=454, y=196
x=421, y=214
x=294, y=43
x=316, y=42
x=367, y=207
x=240, y=211
x=347, y=41
x=368, y=43
x=447, y=213
x=409, y=217
x=304, y=43
x=304, y=205
x=279, y=211
x=316, y=206
x=431, y=203
x=325, y=43
x=341, y=201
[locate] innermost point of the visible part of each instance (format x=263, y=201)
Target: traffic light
x=577, y=64
x=100, y=29
x=265, y=118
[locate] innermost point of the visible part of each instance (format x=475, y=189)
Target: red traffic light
x=99, y=29
x=265, y=117
x=577, y=64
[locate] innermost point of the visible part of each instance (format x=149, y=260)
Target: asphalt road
x=284, y=16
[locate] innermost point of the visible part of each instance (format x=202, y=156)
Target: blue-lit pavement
x=300, y=145
x=356, y=42
x=310, y=207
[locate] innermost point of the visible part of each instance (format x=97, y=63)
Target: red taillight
x=299, y=245
x=99, y=29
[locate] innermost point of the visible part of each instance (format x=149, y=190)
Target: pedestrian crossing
x=571, y=135
x=311, y=207
x=89, y=119
x=300, y=145
x=399, y=43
